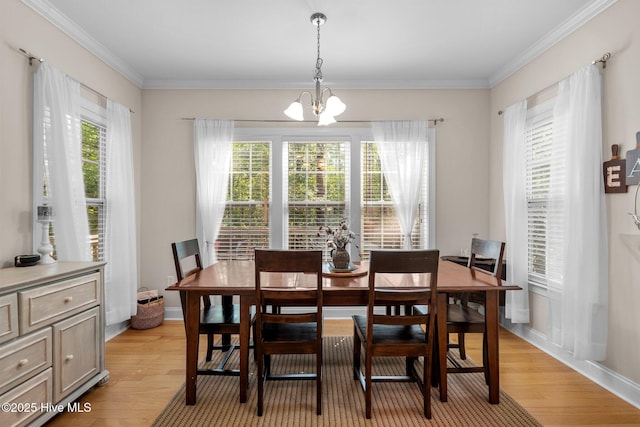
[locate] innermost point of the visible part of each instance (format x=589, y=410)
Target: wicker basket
x=149, y=315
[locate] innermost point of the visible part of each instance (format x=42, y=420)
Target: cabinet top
x=17, y=277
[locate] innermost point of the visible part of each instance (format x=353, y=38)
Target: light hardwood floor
x=147, y=367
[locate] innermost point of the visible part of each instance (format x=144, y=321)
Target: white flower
x=340, y=237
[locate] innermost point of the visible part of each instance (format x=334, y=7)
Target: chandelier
x=325, y=110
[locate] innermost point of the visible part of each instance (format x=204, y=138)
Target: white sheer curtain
x=58, y=129
x=213, y=146
x=121, y=272
x=403, y=148
x=578, y=315
x=515, y=203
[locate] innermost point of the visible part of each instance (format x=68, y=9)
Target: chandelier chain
x=317, y=75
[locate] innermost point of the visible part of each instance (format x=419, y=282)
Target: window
x=380, y=227
x=544, y=207
x=94, y=137
x=283, y=188
x=318, y=190
x=246, y=218
x=93, y=170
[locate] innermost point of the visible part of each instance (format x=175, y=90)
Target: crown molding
x=70, y=28
x=563, y=30
x=50, y=13
x=298, y=85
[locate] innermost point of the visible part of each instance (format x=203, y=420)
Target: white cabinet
x=76, y=355
x=51, y=339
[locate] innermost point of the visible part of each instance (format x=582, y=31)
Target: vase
x=340, y=258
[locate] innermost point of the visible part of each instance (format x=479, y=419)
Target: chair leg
x=267, y=365
x=408, y=362
x=210, y=342
x=367, y=381
x=255, y=351
x=356, y=354
x=426, y=387
x=226, y=342
x=319, y=382
x=260, y=378
x=485, y=362
x=461, y=349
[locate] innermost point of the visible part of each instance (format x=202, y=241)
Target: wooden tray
x=360, y=270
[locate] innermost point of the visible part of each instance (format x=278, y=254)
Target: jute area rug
x=292, y=403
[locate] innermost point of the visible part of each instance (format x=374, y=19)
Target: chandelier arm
x=307, y=93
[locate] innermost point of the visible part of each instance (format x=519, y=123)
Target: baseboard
x=116, y=329
x=617, y=384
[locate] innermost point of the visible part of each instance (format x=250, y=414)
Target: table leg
x=443, y=338
x=245, y=320
x=192, y=326
x=492, y=331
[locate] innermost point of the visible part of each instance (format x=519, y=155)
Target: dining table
x=237, y=278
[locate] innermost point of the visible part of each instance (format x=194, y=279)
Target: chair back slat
x=491, y=249
x=402, y=320
x=181, y=252
x=395, y=297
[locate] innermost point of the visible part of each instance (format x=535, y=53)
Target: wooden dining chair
x=282, y=331
x=463, y=314
x=215, y=319
x=398, y=333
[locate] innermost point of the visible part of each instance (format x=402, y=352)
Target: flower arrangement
x=339, y=237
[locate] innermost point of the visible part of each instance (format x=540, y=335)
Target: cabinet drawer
x=28, y=400
x=8, y=317
x=76, y=351
x=24, y=357
x=47, y=304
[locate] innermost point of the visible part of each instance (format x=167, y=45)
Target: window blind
x=544, y=204
x=245, y=224
x=380, y=227
x=317, y=182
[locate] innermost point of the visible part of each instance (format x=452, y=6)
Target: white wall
x=615, y=30
x=21, y=27
x=168, y=179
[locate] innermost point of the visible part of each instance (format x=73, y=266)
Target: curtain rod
x=435, y=121
x=602, y=60
x=33, y=57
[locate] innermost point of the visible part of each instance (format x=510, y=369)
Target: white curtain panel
x=57, y=127
x=213, y=147
x=403, y=148
x=121, y=271
x=578, y=315
x=515, y=204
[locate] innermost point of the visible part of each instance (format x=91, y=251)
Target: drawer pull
x=23, y=362
x=69, y=357
x=68, y=299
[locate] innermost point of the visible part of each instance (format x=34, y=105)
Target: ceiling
x=272, y=44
